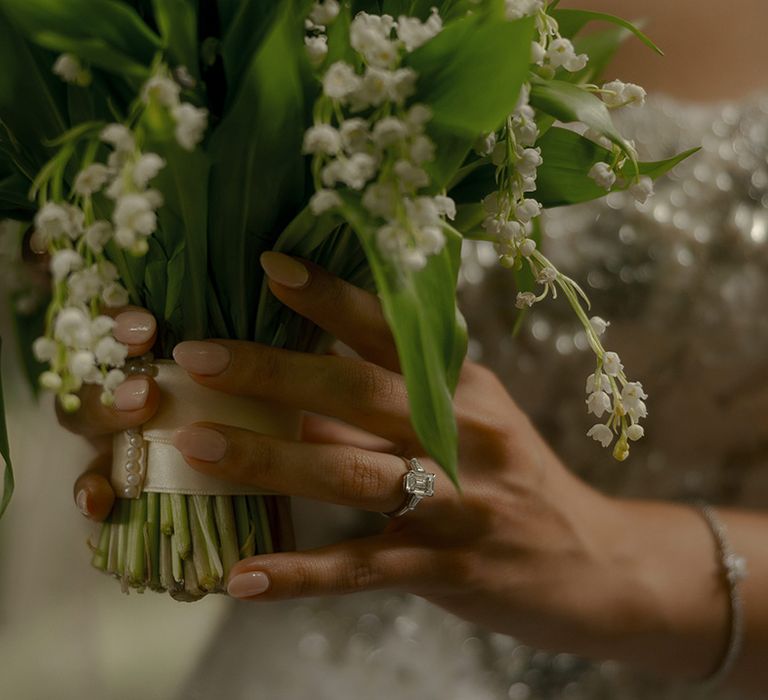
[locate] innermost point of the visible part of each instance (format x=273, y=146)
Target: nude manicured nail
x=134, y=327
x=132, y=395
x=200, y=357
x=285, y=270
x=200, y=443
x=82, y=502
x=248, y=585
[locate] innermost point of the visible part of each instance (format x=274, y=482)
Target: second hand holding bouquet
x=368, y=137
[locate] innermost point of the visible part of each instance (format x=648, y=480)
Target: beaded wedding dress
x=684, y=281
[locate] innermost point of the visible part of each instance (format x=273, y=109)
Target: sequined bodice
x=684, y=281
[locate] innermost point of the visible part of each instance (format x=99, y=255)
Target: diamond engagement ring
x=417, y=484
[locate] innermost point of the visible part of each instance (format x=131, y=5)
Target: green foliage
x=571, y=103
x=462, y=68
x=431, y=338
x=257, y=178
x=177, y=20
x=109, y=34
x=568, y=157
x=571, y=22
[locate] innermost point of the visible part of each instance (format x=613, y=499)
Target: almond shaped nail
x=132, y=395
x=248, y=585
x=134, y=327
x=285, y=270
x=200, y=443
x=202, y=357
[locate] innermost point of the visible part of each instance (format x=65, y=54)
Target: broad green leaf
x=470, y=74
x=31, y=104
x=250, y=26
x=177, y=20
x=563, y=176
x=258, y=171
x=114, y=23
x=95, y=51
x=5, y=454
x=571, y=103
x=420, y=308
x=573, y=21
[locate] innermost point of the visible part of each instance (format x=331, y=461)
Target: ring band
x=417, y=484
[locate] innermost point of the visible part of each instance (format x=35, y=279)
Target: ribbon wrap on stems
x=145, y=460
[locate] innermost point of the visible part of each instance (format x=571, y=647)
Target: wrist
x=670, y=606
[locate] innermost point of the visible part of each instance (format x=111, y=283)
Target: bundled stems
x=185, y=545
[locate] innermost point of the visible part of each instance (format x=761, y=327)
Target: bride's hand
x=525, y=548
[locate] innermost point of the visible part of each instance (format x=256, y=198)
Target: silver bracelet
x=734, y=569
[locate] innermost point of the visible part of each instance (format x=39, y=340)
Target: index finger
x=349, y=313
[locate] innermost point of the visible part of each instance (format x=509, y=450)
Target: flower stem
x=101, y=553
x=246, y=534
x=153, y=536
x=166, y=514
x=135, y=555
x=227, y=528
x=181, y=525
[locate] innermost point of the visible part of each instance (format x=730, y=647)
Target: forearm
x=673, y=610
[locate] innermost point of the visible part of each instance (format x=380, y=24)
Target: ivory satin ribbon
x=158, y=466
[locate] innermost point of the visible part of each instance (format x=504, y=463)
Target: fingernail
x=132, y=395
x=82, y=502
x=284, y=270
x=247, y=585
x=134, y=327
x=199, y=357
x=200, y=443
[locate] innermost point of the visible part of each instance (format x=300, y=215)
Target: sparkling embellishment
x=417, y=484
x=420, y=484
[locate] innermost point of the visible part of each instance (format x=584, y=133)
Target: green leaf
x=568, y=157
x=177, y=21
x=257, y=181
x=573, y=21
x=246, y=32
x=31, y=103
x=62, y=25
x=571, y=103
x=5, y=453
x=420, y=308
x=470, y=74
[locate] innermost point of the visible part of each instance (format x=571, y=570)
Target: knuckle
x=358, y=575
x=259, y=462
x=361, y=479
x=301, y=581
x=262, y=368
x=375, y=384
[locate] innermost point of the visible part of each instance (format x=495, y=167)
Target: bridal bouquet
x=158, y=147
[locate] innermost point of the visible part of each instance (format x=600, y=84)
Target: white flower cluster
x=610, y=393
x=68, y=67
x=191, y=122
x=80, y=350
x=552, y=50
x=617, y=94
x=316, y=42
x=509, y=212
x=78, y=343
x=381, y=156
